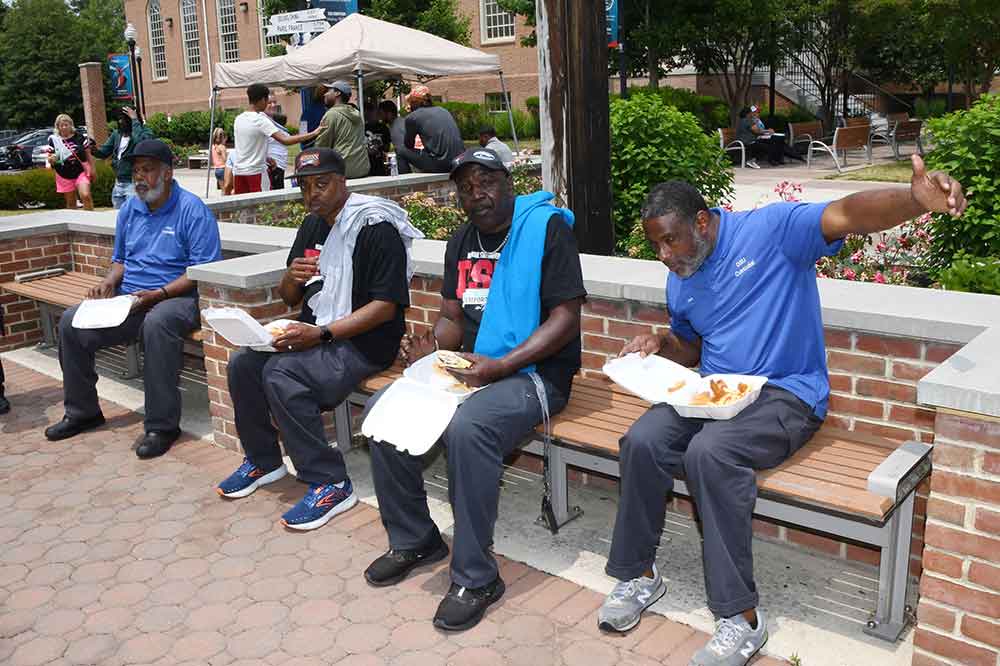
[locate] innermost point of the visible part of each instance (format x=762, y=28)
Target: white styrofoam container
x=424, y=372
x=650, y=378
x=103, y=312
x=242, y=330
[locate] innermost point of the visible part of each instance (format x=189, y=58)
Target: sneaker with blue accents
x=320, y=504
x=247, y=479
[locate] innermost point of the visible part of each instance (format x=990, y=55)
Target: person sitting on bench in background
x=365, y=242
x=160, y=231
x=743, y=299
x=512, y=293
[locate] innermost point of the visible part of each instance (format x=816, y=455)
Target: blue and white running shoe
x=320, y=504
x=247, y=479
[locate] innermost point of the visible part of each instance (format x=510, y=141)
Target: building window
x=192, y=45
x=229, y=40
x=156, y=41
x=494, y=102
x=496, y=25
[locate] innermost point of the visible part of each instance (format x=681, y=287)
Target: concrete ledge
x=250, y=272
x=969, y=381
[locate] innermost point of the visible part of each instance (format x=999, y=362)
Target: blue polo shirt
x=755, y=303
x=157, y=247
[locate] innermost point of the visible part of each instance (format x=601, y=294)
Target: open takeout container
x=651, y=379
x=242, y=330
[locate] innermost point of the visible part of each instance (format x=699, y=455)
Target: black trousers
x=294, y=388
x=406, y=159
x=277, y=178
x=162, y=330
x=718, y=460
x=773, y=149
x=485, y=429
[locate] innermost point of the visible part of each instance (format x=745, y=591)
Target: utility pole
x=574, y=115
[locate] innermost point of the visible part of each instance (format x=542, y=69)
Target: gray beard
x=152, y=194
x=703, y=247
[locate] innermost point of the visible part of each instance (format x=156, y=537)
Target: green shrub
x=967, y=145
x=779, y=121
x=102, y=184
x=711, y=112
x=651, y=143
x=934, y=107
x=470, y=118
x=36, y=188
x=190, y=127
x=979, y=275
x=533, y=105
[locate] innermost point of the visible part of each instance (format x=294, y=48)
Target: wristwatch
x=325, y=334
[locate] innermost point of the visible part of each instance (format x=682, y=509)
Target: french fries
x=719, y=394
x=677, y=387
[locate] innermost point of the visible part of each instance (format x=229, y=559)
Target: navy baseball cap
x=315, y=161
x=156, y=149
x=484, y=157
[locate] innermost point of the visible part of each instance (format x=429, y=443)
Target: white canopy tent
x=365, y=48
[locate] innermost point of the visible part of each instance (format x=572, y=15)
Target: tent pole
x=211, y=131
x=510, y=114
x=361, y=94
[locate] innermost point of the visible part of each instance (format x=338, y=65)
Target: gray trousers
x=162, y=330
x=407, y=159
x=485, y=429
x=294, y=388
x=718, y=460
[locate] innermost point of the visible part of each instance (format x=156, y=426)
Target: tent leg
x=361, y=94
x=211, y=131
x=510, y=114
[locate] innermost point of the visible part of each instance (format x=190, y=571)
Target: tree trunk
x=652, y=57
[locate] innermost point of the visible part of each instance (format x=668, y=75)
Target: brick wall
x=23, y=255
x=91, y=252
x=959, y=611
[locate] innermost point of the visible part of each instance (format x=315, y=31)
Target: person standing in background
x=343, y=129
x=219, y=155
x=119, y=147
x=69, y=156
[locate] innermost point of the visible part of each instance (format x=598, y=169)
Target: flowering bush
x=437, y=221
x=897, y=256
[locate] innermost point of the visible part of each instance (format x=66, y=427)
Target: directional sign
x=299, y=16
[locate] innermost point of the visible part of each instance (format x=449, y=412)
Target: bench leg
x=47, y=318
x=560, y=490
x=891, y=613
x=133, y=361
x=342, y=421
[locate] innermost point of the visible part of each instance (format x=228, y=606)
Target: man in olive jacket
x=119, y=146
x=344, y=130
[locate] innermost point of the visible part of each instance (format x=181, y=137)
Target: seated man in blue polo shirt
x=160, y=231
x=743, y=299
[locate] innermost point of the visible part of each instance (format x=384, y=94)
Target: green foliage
x=36, y=188
x=651, y=143
x=190, y=127
x=978, y=275
x=967, y=146
x=289, y=214
x=533, y=104
x=526, y=9
x=711, y=112
x=932, y=107
x=438, y=17
x=471, y=117
x=779, y=121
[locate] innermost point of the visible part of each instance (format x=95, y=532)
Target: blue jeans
x=120, y=193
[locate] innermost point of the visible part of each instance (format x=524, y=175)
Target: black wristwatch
x=326, y=335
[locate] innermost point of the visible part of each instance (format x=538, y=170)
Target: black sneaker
x=463, y=607
x=395, y=565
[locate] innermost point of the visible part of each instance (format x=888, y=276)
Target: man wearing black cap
x=349, y=270
x=343, y=129
x=512, y=293
x=160, y=231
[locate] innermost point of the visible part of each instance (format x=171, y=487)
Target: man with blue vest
x=160, y=231
x=512, y=293
x=743, y=299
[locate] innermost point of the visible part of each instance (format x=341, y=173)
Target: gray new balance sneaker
x=734, y=642
x=624, y=606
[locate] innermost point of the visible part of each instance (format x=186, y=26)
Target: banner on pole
x=611, y=9
x=120, y=73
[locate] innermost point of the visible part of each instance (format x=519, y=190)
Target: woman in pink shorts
x=70, y=157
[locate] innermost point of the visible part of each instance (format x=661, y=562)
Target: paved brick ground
x=106, y=559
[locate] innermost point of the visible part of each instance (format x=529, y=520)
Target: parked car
x=19, y=154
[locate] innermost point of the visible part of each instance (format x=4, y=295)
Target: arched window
x=229, y=39
x=156, y=41
x=192, y=43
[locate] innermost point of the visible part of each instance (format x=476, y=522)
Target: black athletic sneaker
x=395, y=565
x=463, y=607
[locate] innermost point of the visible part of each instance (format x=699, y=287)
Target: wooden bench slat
x=852, y=437
x=819, y=453
x=822, y=493
x=854, y=458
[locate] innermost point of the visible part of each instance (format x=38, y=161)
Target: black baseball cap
x=156, y=149
x=315, y=161
x=484, y=157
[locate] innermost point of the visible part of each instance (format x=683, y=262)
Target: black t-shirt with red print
x=72, y=167
x=469, y=261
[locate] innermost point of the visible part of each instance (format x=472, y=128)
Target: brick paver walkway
x=106, y=559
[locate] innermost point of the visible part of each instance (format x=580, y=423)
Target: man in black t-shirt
x=317, y=366
x=490, y=424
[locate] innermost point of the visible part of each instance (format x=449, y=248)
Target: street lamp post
x=130, y=35
x=142, y=87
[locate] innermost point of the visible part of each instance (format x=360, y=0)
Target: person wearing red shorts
x=69, y=156
x=251, y=130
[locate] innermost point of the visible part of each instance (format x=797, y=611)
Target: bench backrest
x=846, y=138
x=813, y=128
x=893, y=117
x=857, y=122
x=726, y=136
x=907, y=130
